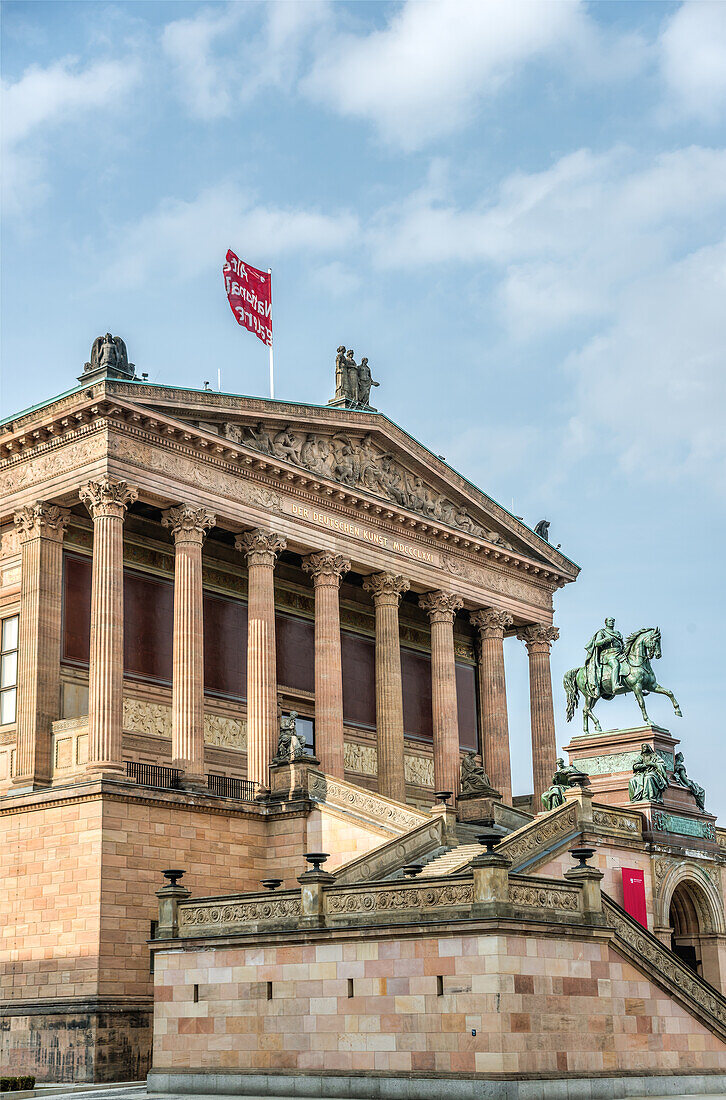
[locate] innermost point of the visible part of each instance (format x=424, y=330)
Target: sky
x=516, y=211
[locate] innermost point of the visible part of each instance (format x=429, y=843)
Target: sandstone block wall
x=537, y=1005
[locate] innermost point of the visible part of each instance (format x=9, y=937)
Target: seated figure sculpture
x=650, y=778
x=681, y=778
x=562, y=780
x=474, y=780
x=290, y=745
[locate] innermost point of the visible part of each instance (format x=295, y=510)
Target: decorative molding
x=683, y=826
x=618, y=822
x=419, y=770
x=616, y=762
x=217, y=916
x=386, y=813
x=498, y=580
x=363, y=760
x=60, y=457
x=224, y=732
x=441, y=607
x=565, y=898
x=107, y=497
x=539, y=837
x=154, y=720
x=387, y=900
x=41, y=519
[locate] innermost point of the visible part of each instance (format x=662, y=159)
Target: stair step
x=453, y=860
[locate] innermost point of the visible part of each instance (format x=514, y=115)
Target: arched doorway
x=689, y=921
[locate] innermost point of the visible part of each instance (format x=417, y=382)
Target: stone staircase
x=451, y=861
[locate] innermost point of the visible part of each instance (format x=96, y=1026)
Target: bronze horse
x=636, y=675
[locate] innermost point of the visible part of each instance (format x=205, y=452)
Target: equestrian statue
x=616, y=667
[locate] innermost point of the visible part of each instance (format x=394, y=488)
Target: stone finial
x=188, y=524
x=107, y=497
x=41, y=518
x=537, y=637
x=386, y=587
x=441, y=607
x=491, y=622
x=325, y=566
x=261, y=547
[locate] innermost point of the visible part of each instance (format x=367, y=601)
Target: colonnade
x=107, y=501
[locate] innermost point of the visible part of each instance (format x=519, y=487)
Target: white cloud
x=425, y=73
x=42, y=98
x=184, y=238
x=222, y=57
x=693, y=59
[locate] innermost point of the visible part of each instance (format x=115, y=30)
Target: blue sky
x=515, y=210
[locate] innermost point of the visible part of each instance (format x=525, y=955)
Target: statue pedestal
x=473, y=809
x=608, y=760
x=289, y=778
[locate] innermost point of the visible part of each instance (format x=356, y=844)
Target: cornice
x=93, y=413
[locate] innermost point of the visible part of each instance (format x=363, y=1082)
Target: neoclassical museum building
x=262, y=644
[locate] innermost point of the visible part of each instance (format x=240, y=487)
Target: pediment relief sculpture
x=359, y=464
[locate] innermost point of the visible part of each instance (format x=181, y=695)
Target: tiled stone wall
x=610, y=861
x=538, y=1005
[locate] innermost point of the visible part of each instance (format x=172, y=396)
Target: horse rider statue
x=605, y=651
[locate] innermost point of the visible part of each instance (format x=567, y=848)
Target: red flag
x=249, y=293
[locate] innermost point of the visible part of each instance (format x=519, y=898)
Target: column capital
x=325, y=567
x=537, y=637
x=490, y=621
x=107, y=497
x=41, y=520
x=188, y=524
x=261, y=547
x=441, y=607
x=386, y=588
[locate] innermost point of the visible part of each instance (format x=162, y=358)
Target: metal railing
x=243, y=789
x=153, y=775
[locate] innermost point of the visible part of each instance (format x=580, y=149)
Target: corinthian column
x=491, y=625
x=188, y=528
x=386, y=590
x=107, y=502
x=538, y=640
x=326, y=569
x=441, y=608
x=261, y=548
x=41, y=527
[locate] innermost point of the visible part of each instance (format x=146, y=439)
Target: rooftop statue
x=353, y=381
x=616, y=667
x=108, y=359
x=542, y=529
x=680, y=778
x=650, y=778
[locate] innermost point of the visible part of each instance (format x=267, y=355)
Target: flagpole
x=272, y=366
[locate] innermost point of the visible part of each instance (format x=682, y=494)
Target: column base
x=26, y=785
x=106, y=771
x=197, y=783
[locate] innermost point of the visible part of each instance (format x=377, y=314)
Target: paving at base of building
x=252, y=636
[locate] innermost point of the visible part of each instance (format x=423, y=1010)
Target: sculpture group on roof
x=353, y=380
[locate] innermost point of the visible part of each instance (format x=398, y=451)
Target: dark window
x=148, y=626
x=225, y=646
x=416, y=681
x=295, y=645
x=466, y=702
x=358, y=660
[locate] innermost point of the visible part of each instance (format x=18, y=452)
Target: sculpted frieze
x=496, y=580
x=154, y=719
x=60, y=460
x=359, y=464
x=363, y=760
x=194, y=473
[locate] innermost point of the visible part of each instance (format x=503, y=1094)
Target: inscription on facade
x=365, y=534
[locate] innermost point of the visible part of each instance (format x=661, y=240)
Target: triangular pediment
x=360, y=452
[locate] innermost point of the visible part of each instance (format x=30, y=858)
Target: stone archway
x=692, y=909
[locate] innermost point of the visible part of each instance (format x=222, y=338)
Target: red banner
x=249, y=293
x=634, y=894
